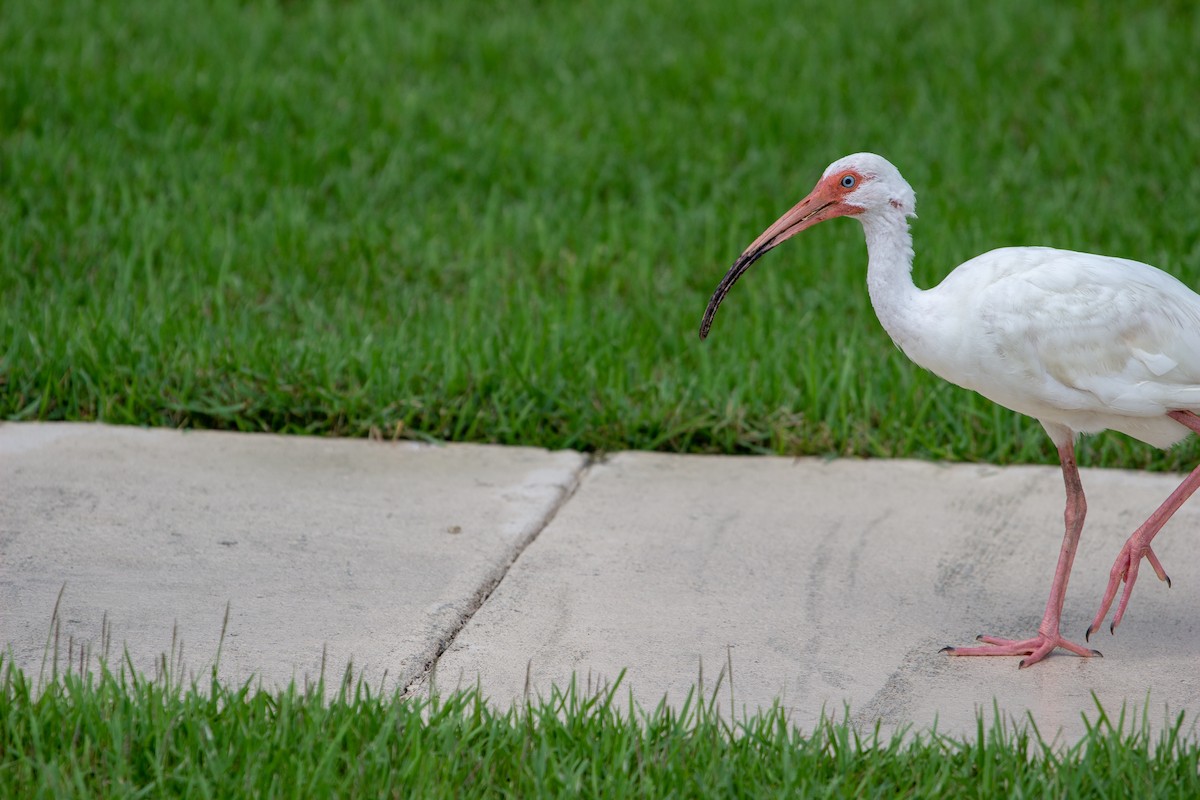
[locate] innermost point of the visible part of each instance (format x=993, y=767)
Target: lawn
x=117, y=736
x=501, y=222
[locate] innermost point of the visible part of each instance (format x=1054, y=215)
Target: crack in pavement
x=493, y=580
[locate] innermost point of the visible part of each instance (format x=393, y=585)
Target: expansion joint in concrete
x=490, y=585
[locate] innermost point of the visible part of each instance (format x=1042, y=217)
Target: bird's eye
x=848, y=181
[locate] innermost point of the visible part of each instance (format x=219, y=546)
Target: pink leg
x=1048, y=636
x=1138, y=545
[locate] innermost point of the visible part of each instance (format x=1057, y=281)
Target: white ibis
x=1080, y=342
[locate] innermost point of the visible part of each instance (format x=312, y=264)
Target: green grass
x=119, y=735
x=501, y=222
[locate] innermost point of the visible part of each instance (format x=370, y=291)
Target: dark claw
x=946, y=649
x=979, y=638
x=1168, y=581
x=1098, y=653
x=1112, y=629
x=1021, y=664
x=1087, y=637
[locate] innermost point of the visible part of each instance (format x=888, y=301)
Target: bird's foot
x=1125, y=568
x=1036, y=648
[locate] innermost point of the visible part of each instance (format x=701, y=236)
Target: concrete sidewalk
x=823, y=583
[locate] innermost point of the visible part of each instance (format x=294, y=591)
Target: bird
x=1080, y=342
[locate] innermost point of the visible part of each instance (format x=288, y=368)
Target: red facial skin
x=825, y=201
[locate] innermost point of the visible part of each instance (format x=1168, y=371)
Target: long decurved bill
x=819, y=206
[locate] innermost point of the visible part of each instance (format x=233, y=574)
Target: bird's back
x=1086, y=341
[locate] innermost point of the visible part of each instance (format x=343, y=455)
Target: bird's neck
x=889, y=274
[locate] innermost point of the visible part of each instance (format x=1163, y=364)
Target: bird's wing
x=1097, y=333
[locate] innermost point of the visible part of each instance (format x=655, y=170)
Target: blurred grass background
x=501, y=222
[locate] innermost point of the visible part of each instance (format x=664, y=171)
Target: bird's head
x=861, y=185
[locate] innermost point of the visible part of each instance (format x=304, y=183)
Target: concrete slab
x=823, y=583
x=377, y=550
x=827, y=583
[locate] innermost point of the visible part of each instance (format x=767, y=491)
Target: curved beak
x=819, y=206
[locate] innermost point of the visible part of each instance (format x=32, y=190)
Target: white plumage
x=1081, y=342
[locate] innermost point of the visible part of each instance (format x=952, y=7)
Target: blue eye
x=848, y=181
